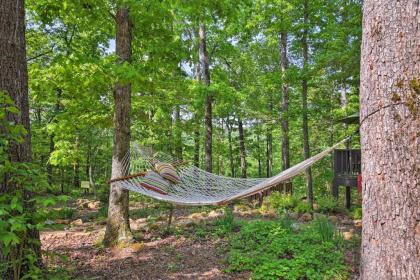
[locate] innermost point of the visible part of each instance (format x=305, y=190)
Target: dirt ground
x=76, y=249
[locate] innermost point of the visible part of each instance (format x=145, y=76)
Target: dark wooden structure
x=347, y=167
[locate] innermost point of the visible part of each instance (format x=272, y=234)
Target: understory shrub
x=286, y=202
x=327, y=204
x=283, y=201
x=226, y=223
x=356, y=213
x=269, y=250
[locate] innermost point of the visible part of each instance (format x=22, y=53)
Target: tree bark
x=269, y=151
x=285, y=146
x=178, y=133
x=14, y=81
x=118, y=225
x=306, y=151
x=269, y=138
x=231, y=158
x=208, y=115
x=259, y=156
x=389, y=123
x=242, y=149
x=197, y=123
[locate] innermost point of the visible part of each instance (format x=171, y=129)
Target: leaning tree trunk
x=242, y=149
x=118, y=225
x=208, y=115
x=306, y=151
x=390, y=101
x=14, y=82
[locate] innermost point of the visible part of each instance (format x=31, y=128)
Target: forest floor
x=73, y=247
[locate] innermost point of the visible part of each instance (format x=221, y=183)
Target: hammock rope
x=198, y=187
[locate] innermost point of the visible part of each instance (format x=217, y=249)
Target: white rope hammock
x=198, y=187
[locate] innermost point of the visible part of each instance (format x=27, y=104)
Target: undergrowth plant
x=270, y=250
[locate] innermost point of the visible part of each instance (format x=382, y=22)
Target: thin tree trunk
x=231, y=159
x=91, y=181
x=208, y=115
x=389, y=126
x=197, y=123
x=306, y=151
x=259, y=156
x=269, y=151
x=89, y=170
x=242, y=149
x=52, y=144
x=14, y=81
x=76, y=174
x=285, y=146
x=178, y=133
x=118, y=225
x=62, y=179
x=196, y=141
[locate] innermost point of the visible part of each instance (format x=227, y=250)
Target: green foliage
x=17, y=221
x=271, y=251
x=281, y=201
x=327, y=204
x=324, y=228
x=356, y=213
x=286, y=202
x=226, y=223
x=303, y=207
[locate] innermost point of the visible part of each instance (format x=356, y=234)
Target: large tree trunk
x=118, y=225
x=306, y=151
x=390, y=100
x=14, y=81
x=208, y=115
x=242, y=149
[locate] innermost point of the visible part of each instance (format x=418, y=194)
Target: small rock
x=294, y=215
x=93, y=205
x=214, y=214
x=270, y=214
x=333, y=219
x=77, y=222
x=195, y=216
x=185, y=222
x=319, y=216
x=347, y=235
x=241, y=208
x=295, y=227
x=62, y=221
x=347, y=222
x=85, y=205
x=305, y=218
x=357, y=223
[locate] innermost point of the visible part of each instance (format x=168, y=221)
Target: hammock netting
x=198, y=187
